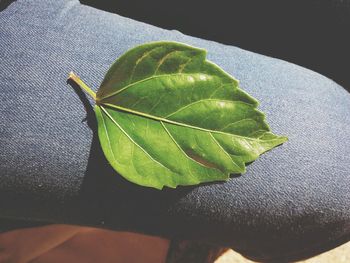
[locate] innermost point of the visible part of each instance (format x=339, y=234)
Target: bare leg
x=65, y=243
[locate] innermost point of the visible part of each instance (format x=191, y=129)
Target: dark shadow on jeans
x=108, y=200
x=312, y=34
x=4, y=4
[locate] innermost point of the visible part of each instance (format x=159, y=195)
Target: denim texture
x=294, y=201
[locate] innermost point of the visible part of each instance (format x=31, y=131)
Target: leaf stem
x=82, y=85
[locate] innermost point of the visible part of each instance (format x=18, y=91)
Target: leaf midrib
x=142, y=114
x=148, y=154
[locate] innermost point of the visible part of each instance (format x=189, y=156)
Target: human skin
x=67, y=243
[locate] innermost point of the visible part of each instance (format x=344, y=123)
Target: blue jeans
x=293, y=201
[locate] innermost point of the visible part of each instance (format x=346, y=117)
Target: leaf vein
x=202, y=100
x=146, y=54
x=108, y=139
x=180, y=148
x=163, y=59
x=211, y=135
x=235, y=122
x=182, y=66
x=132, y=140
x=144, y=80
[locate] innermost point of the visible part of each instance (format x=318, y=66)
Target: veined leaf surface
x=168, y=117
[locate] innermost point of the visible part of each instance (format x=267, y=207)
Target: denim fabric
x=293, y=201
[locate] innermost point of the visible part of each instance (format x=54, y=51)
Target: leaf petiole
x=82, y=85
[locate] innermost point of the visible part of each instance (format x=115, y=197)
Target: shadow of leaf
x=4, y=4
x=111, y=201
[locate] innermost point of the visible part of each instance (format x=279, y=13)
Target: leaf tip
x=279, y=141
x=283, y=139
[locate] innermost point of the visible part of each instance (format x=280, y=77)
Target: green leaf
x=168, y=117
